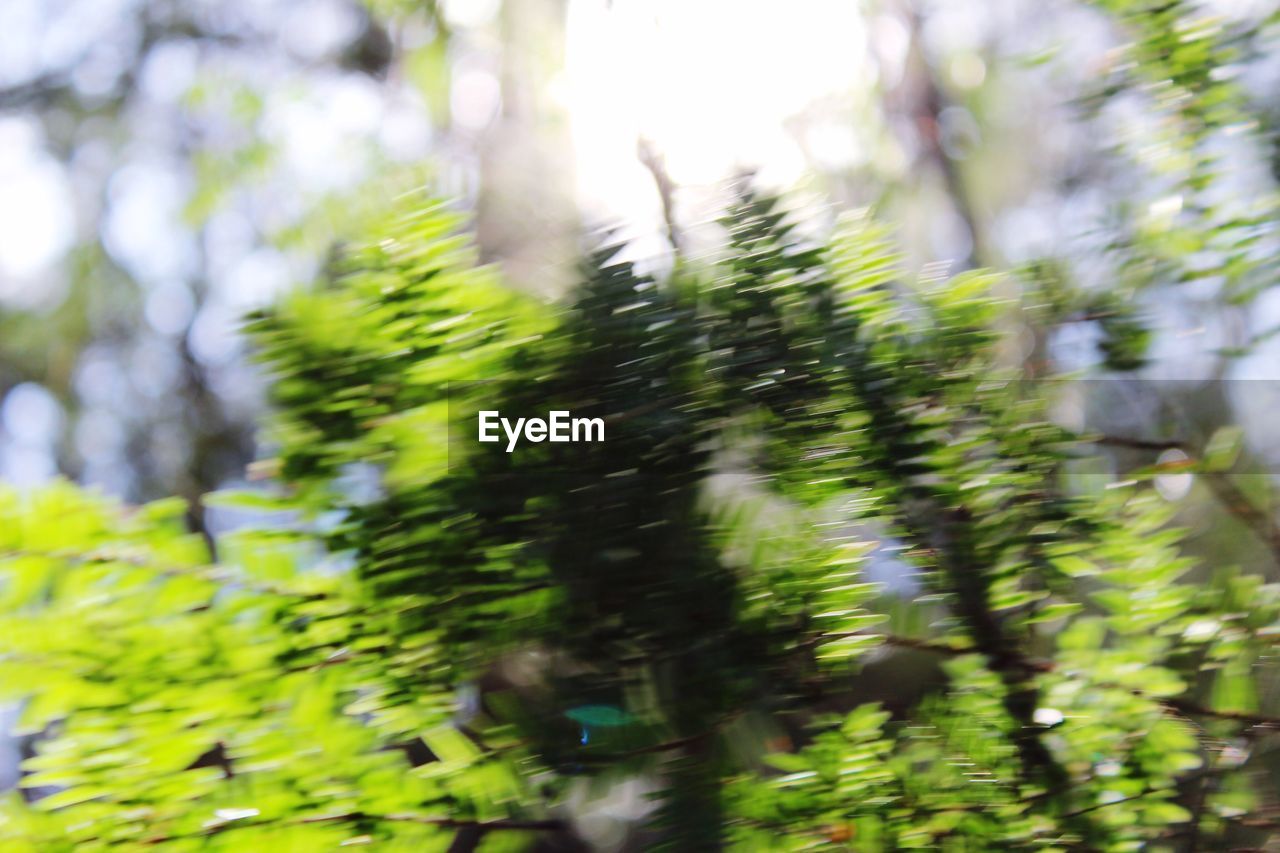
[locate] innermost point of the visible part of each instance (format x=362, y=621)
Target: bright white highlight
x=36, y=216
x=714, y=84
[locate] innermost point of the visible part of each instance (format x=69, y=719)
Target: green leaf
x=1222, y=449
x=1075, y=566
x=1233, y=687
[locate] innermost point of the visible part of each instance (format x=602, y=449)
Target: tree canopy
x=869, y=557
x=429, y=642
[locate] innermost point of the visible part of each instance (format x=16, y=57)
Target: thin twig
x=1139, y=443
x=657, y=166
x=1191, y=708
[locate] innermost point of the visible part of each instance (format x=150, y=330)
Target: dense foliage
x=425, y=642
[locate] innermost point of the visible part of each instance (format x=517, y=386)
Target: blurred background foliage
x=841, y=576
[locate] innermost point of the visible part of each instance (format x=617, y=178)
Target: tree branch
x=1261, y=523
x=657, y=166
x=1182, y=706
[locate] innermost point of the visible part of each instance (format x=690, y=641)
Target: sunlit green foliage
x=1189, y=222
x=428, y=641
